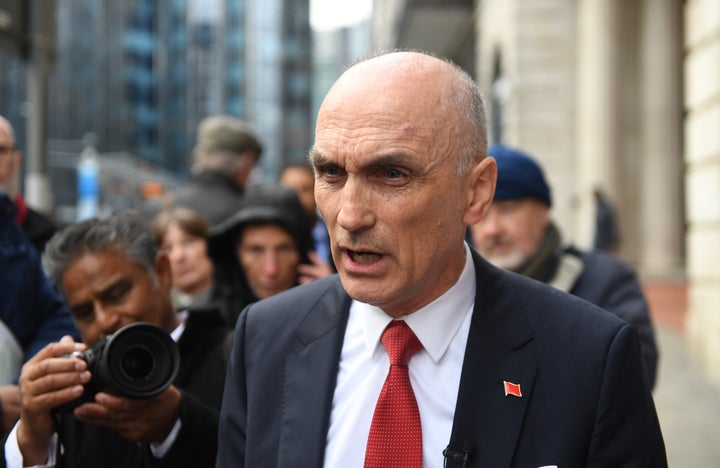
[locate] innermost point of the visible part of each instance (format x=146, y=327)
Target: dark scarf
x=544, y=263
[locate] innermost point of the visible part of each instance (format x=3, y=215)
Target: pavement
x=688, y=406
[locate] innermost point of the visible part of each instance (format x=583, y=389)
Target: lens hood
x=140, y=360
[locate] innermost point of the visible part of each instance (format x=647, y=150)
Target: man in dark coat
x=497, y=371
x=518, y=234
x=607, y=233
x=38, y=227
x=224, y=156
x=111, y=274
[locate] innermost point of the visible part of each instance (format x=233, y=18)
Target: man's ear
x=483, y=178
x=163, y=271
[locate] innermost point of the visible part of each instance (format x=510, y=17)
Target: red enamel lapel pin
x=512, y=389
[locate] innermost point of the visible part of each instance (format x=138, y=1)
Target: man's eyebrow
x=117, y=286
x=388, y=160
x=79, y=309
x=317, y=158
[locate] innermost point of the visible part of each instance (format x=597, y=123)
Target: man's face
x=246, y=164
x=9, y=159
x=269, y=258
x=511, y=232
x=106, y=291
x=302, y=181
x=385, y=159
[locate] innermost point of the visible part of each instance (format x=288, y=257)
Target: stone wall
x=702, y=181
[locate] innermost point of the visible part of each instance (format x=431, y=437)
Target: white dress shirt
x=13, y=456
x=442, y=327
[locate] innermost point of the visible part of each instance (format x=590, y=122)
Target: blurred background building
x=618, y=94
x=140, y=74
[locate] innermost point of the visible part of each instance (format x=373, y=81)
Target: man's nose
x=355, y=211
x=488, y=227
x=490, y=224
x=177, y=253
x=270, y=263
x=106, y=319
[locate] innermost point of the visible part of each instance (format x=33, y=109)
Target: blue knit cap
x=519, y=176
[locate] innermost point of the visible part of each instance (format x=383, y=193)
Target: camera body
x=140, y=360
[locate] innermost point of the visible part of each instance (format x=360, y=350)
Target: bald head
x=435, y=95
x=399, y=73
x=399, y=174
x=7, y=127
x=9, y=158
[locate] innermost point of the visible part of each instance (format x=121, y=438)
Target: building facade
x=279, y=80
x=701, y=43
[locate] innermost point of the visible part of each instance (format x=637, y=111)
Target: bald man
x=36, y=226
x=492, y=369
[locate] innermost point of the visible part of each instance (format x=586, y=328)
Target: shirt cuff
x=13, y=456
x=159, y=450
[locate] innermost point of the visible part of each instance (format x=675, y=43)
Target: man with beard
x=518, y=234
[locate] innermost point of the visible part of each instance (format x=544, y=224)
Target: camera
x=140, y=360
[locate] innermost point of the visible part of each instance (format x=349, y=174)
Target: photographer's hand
x=47, y=381
x=9, y=408
x=149, y=420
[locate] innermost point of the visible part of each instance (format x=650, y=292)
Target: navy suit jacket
x=585, y=397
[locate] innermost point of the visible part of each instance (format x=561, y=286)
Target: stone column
x=661, y=86
x=597, y=107
x=702, y=182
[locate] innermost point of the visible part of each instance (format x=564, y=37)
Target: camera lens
x=137, y=363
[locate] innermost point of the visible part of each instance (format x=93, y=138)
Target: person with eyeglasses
x=37, y=226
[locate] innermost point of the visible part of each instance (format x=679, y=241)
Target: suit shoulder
x=546, y=306
x=295, y=303
x=603, y=263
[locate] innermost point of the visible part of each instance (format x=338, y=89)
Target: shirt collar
x=177, y=333
x=435, y=325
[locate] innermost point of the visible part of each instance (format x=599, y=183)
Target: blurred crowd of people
x=190, y=262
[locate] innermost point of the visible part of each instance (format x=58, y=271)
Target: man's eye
x=117, y=294
x=394, y=173
x=82, y=312
x=331, y=170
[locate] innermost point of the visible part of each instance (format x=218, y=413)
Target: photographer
x=111, y=274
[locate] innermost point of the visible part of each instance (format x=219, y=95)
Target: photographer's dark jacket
x=204, y=347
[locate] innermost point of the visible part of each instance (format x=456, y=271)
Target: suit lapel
x=487, y=422
x=309, y=384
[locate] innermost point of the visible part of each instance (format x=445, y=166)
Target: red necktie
x=395, y=438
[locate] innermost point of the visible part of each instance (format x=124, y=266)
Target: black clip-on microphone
x=456, y=455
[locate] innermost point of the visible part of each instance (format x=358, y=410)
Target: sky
x=333, y=14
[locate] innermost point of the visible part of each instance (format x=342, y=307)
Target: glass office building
x=140, y=75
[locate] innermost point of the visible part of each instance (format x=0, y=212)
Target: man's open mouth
x=364, y=258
